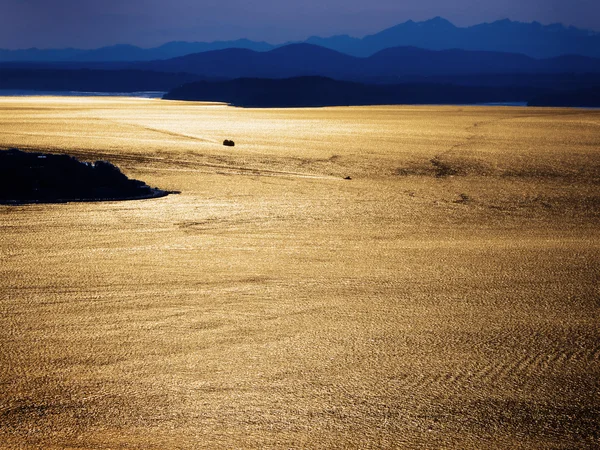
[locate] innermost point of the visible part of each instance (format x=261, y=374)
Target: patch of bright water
x=446, y=296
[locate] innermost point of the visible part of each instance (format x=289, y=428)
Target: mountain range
x=531, y=39
x=389, y=66
x=426, y=62
x=311, y=60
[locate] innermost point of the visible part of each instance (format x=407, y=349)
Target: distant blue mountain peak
x=438, y=22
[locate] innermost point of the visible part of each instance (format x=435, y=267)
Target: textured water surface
x=446, y=296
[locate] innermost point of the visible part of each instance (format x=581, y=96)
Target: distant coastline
x=558, y=100
x=322, y=91
x=34, y=93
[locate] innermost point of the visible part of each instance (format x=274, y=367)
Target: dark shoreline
x=40, y=178
x=158, y=193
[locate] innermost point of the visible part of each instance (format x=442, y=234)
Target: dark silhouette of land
x=111, y=81
x=312, y=60
x=532, y=39
x=412, y=75
x=584, y=98
x=321, y=91
x=46, y=178
x=558, y=81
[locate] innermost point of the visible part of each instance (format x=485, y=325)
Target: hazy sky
x=87, y=24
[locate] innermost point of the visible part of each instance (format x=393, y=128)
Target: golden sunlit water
x=446, y=296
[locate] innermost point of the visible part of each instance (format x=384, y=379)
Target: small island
x=47, y=178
